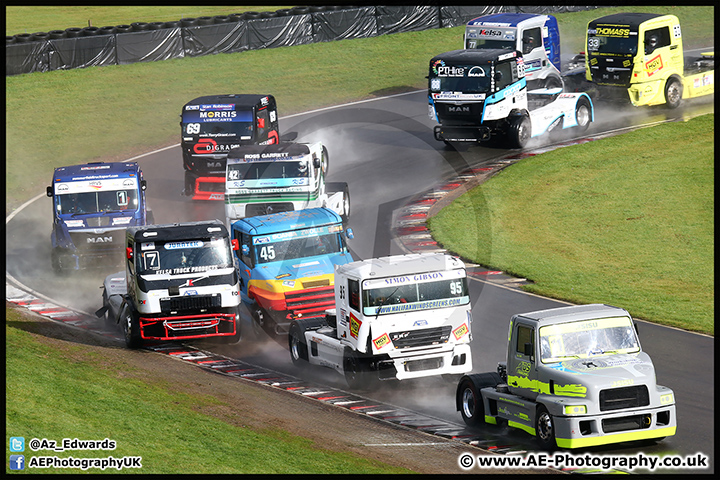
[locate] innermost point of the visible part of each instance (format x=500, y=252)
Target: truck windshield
x=179, y=257
x=413, y=292
x=97, y=202
x=295, y=244
x=465, y=79
x=216, y=123
x=604, y=336
x=266, y=170
x=486, y=43
x=612, y=45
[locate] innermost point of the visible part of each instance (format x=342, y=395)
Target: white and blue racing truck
x=478, y=95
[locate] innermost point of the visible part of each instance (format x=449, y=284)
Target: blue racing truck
x=93, y=204
x=287, y=265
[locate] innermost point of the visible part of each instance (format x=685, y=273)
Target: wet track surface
x=385, y=151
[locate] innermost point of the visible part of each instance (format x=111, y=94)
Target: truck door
x=521, y=368
x=533, y=51
x=349, y=316
x=663, y=56
x=245, y=258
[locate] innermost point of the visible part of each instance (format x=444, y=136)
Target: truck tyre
x=296, y=343
x=354, y=369
x=56, y=263
x=325, y=161
x=583, y=114
x=545, y=427
x=471, y=403
x=673, y=93
x=234, y=339
x=131, y=327
x=346, y=205
x=519, y=131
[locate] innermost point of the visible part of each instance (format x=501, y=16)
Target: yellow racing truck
x=642, y=53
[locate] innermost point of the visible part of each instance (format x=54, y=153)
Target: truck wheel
x=234, y=339
x=296, y=343
x=56, y=261
x=583, y=114
x=673, y=93
x=325, y=161
x=471, y=403
x=519, y=131
x=355, y=374
x=131, y=328
x=545, y=427
x=346, y=205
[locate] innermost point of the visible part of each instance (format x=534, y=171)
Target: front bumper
x=188, y=326
x=456, y=360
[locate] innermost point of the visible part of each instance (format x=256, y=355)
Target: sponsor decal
x=381, y=341
x=187, y=244
x=654, y=65
x=355, y=324
x=461, y=331
x=612, y=32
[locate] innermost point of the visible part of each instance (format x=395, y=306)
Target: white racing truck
x=575, y=377
x=179, y=283
x=284, y=177
x=398, y=317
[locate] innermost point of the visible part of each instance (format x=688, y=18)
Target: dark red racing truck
x=211, y=126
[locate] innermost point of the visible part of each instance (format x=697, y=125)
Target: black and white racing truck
x=179, y=283
x=398, y=317
x=477, y=95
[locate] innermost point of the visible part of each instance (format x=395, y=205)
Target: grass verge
x=76, y=393
x=617, y=221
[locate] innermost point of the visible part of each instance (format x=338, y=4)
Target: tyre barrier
x=189, y=22
x=73, y=32
x=123, y=28
x=205, y=20
x=23, y=37
x=222, y=19
x=40, y=36
x=108, y=30
x=156, y=25
x=139, y=26
x=173, y=24
x=90, y=31
x=10, y=39
x=55, y=34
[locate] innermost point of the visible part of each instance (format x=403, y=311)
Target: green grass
x=114, y=112
x=33, y=19
x=626, y=221
x=74, y=393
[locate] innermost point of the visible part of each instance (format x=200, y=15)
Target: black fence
x=192, y=37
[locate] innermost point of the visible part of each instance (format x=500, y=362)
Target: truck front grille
x=632, y=422
x=256, y=209
x=624, y=397
x=189, y=303
x=88, y=242
x=311, y=302
x=420, y=338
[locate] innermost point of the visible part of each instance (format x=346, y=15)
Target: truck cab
x=574, y=377
x=266, y=179
x=211, y=126
x=398, y=317
x=536, y=36
x=286, y=264
x=639, y=56
x=92, y=205
x=179, y=283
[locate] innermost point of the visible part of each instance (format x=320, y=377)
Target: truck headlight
x=667, y=399
x=575, y=410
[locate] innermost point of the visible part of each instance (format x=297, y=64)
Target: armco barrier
x=237, y=32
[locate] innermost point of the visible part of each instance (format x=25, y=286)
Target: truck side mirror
x=528, y=349
x=143, y=185
x=349, y=233
x=129, y=253
x=49, y=191
x=316, y=162
x=235, y=244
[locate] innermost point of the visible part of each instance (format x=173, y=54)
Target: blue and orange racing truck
x=211, y=127
x=287, y=265
x=93, y=204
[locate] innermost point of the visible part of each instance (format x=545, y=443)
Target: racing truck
x=93, y=204
x=536, y=36
x=179, y=283
x=574, y=377
x=211, y=126
x=286, y=265
x=283, y=177
x=399, y=317
x=480, y=95
x=639, y=56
